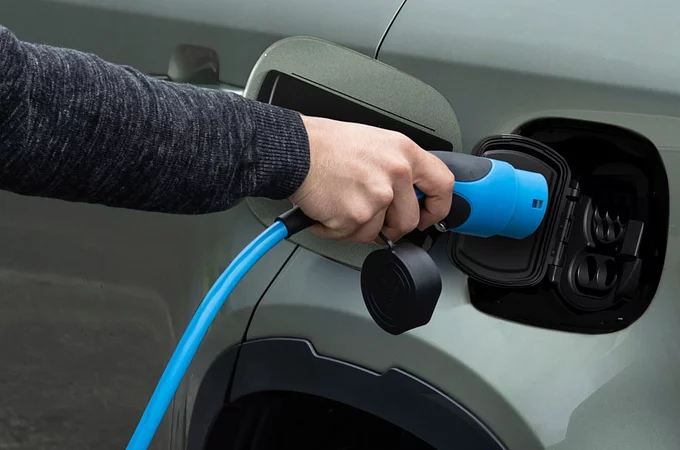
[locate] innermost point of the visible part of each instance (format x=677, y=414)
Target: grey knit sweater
x=77, y=128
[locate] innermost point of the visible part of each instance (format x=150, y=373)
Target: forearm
x=75, y=127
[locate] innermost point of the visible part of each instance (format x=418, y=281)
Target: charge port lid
x=506, y=262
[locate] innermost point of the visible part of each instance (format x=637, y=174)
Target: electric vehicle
x=567, y=346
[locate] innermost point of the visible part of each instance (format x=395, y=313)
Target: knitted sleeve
x=77, y=128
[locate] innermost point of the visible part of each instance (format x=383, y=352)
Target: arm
x=77, y=128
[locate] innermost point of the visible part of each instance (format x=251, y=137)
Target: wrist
x=315, y=135
x=283, y=151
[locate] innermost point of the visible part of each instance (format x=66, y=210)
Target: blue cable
x=197, y=329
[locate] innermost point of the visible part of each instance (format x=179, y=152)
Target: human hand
x=361, y=181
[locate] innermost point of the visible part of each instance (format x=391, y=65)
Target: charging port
x=608, y=258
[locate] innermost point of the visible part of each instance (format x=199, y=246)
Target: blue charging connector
x=493, y=198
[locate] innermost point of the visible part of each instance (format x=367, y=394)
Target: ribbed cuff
x=282, y=146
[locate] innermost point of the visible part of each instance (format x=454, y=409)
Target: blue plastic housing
x=506, y=202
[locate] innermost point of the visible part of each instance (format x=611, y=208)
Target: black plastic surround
x=594, y=264
x=283, y=365
x=501, y=261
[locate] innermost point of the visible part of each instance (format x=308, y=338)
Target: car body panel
x=144, y=33
x=534, y=388
x=501, y=67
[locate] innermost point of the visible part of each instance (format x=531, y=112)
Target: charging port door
x=319, y=78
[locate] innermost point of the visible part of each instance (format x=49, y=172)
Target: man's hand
x=361, y=181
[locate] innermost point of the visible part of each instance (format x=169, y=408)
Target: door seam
x=244, y=336
x=376, y=54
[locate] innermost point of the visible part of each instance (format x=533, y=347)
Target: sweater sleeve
x=77, y=128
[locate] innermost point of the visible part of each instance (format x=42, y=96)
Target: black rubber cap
x=401, y=286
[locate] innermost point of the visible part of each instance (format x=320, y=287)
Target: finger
x=325, y=232
x=357, y=232
x=403, y=215
x=428, y=218
x=436, y=181
x=380, y=241
x=370, y=231
x=339, y=227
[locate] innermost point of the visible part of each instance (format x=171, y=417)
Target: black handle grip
x=295, y=220
x=465, y=168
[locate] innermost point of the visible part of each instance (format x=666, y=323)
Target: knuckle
x=441, y=210
x=401, y=170
x=360, y=216
x=448, y=180
x=406, y=144
x=408, y=226
x=395, y=136
x=407, y=223
x=384, y=197
x=414, y=222
x=400, y=231
x=416, y=213
x=367, y=238
x=347, y=225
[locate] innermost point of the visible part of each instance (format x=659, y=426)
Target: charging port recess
x=595, y=263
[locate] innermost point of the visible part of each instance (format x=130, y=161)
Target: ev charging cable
x=285, y=226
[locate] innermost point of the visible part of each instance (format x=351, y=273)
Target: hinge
x=573, y=195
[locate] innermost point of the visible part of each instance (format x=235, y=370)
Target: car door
x=93, y=300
